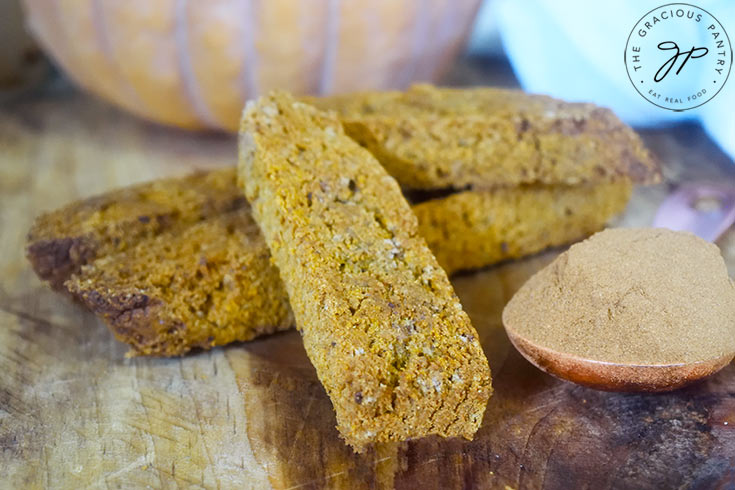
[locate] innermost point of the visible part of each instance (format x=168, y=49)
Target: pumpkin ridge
x=190, y=84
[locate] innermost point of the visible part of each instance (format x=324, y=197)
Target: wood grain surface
x=74, y=413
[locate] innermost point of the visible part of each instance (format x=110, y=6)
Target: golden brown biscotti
x=140, y=292
x=208, y=284
x=434, y=138
x=380, y=321
x=60, y=242
x=472, y=229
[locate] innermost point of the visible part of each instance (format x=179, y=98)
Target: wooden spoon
x=610, y=376
x=707, y=210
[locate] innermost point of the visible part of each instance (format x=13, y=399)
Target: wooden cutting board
x=74, y=413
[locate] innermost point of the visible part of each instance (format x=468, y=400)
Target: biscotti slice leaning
x=205, y=285
x=472, y=229
x=380, y=321
x=436, y=138
x=61, y=241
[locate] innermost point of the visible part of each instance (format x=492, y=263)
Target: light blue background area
x=573, y=49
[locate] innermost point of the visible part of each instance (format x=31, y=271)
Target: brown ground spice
x=638, y=296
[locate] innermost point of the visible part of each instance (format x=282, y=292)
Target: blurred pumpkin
x=194, y=63
x=21, y=62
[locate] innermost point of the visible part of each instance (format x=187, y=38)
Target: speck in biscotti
x=381, y=323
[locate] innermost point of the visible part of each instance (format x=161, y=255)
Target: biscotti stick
x=380, y=321
x=208, y=284
x=472, y=229
x=60, y=242
x=434, y=138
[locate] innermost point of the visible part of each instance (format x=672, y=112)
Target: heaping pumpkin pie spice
x=636, y=296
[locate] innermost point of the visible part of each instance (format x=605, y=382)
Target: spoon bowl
x=611, y=376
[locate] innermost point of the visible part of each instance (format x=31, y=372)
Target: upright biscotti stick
x=381, y=323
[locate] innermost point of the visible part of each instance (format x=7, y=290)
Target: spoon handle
x=706, y=210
